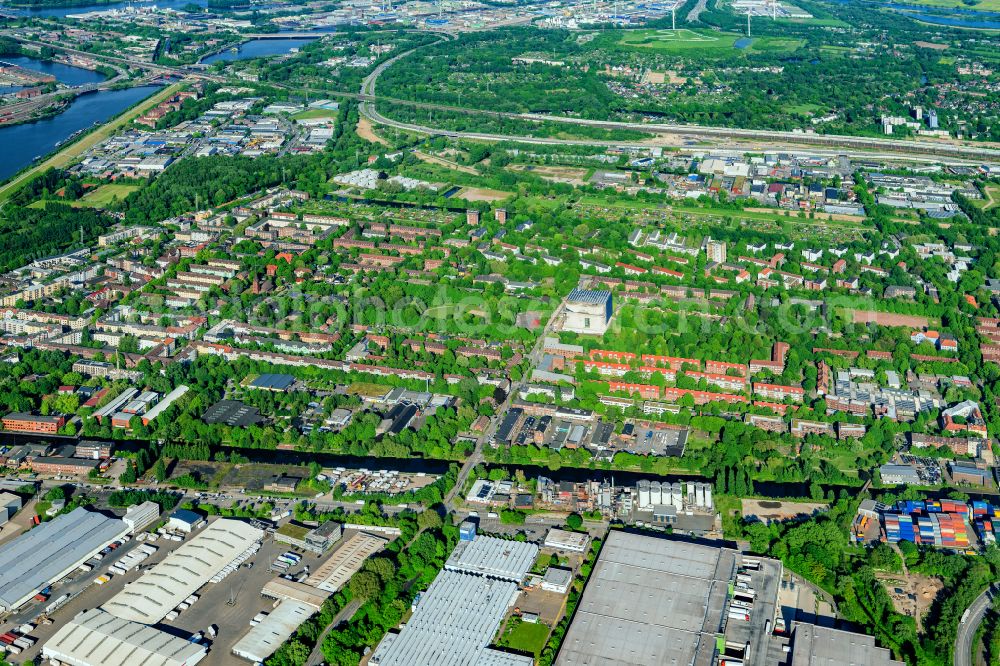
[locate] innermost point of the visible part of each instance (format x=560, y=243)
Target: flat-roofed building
x=140, y=516
x=316, y=540
x=98, y=638
x=9, y=505
x=651, y=601
x=565, y=540
x=813, y=645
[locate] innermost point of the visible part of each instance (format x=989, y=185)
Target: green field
x=105, y=194
x=982, y=5
x=315, y=113
x=677, y=40
x=525, y=637
x=992, y=199
x=684, y=39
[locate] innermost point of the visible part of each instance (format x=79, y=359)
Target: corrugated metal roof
x=345, y=561
x=453, y=625
x=261, y=641
x=184, y=571
x=45, y=553
x=490, y=556
x=98, y=638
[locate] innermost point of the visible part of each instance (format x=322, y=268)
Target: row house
x=778, y=391
x=645, y=391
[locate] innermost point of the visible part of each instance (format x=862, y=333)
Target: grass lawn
x=70, y=153
x=103, y=195
x=992, y=199
x=525, y=637
x=684, y=39
x=802, y=108
x=676, y=40
x=315, y=113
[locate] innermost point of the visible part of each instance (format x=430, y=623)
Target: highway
x=722, y=138
x=969, y=625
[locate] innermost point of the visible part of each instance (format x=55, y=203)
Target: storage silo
x=655, y=493
x=677, y=495
x=643, y=488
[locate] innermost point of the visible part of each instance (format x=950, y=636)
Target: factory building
x=493, y=557
x=50, y=551
x=459, y=614
x=651, y=601
x=680, y=495
x=97, y=638
x=813, y=644
x=332, y=574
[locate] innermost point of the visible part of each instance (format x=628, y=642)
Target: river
x=62, y=12
x=66, y=74
x=258, y=48
x=26, y=141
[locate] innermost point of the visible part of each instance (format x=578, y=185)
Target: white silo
x=655, y=493
x=708, y=495
x=643, y=488
x=700, y=490
x=677, y=495
x=692, y=494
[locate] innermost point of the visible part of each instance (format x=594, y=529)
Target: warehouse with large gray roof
x=95, y=637
x=813, y=645
x=119, y=632
x=184, y=571
x=459, y=614
x=650, y=602
x=52, y=550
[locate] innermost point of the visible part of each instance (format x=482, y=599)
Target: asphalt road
x=969, y=625
x=721, y=137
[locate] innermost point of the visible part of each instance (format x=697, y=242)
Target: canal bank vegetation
x=819, y=550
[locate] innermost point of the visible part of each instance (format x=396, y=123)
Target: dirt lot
x=912, y=594
x=889, y=319
x=367, y=132
x=448, y=164
x=556, y=174
x=548, y=605
x=481, y=194
x=768, y=510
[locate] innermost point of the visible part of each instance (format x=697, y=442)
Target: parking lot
x=928, y=469
x=232, y=620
